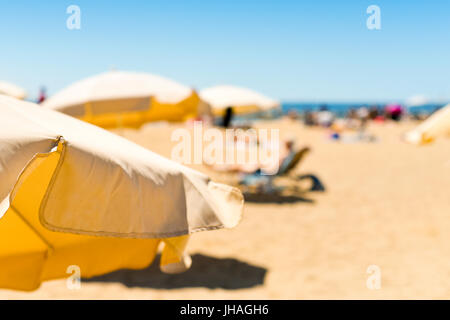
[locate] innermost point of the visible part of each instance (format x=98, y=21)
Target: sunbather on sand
x=262, y=177
x=286, y=154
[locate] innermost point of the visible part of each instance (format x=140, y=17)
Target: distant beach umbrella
x=74, y=194
x=394, y=108
x=417, y=100
x=241, y=99
x=12, y=90
x=437, y=125
x=129, y=99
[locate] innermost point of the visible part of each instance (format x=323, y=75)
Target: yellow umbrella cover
x=242, y=100
x=437, y=125
x=126, y=99
x=12, y=90
x=76, y=194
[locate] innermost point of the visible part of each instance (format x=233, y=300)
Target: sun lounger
x=265, y=183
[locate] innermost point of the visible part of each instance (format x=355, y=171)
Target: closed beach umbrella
x=12, y=90
x=118, y=98
x=241, y=99
x=74, y=194
x=437, y=125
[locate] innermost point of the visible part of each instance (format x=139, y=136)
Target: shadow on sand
x=275, y=198
x=206, y=272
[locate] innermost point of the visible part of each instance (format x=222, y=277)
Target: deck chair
x=291, y=163
x=264, y=182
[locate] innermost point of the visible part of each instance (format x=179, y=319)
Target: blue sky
x=290, y=50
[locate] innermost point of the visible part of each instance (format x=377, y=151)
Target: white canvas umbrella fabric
x=12, y=90
x=417, y=100
x=437, y=125
x=104, y=184
x=221, y=97
x=118, y=85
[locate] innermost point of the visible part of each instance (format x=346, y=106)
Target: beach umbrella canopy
x=12, y=90
x=74, y=194
x=394, y=108
x=417, y=100
x=119, y=98
x=437, y=125
x=241, y=99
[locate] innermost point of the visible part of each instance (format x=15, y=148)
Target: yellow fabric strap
x=174, y=258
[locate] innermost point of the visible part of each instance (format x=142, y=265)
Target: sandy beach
x=386, y=204
x=134, y=164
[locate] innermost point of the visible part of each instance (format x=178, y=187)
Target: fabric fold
x=105, y=185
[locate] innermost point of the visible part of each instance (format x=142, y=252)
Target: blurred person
x=363, y=117
x=42, y=95
x=325, y=118
x=363, y=113
x=352, y=120
x=293, y=114
x=394, y=112
x=286, y=153
x=337, y=129
x=351, y=113
x=228, y=117
x=373, y=112
x=309, y=119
